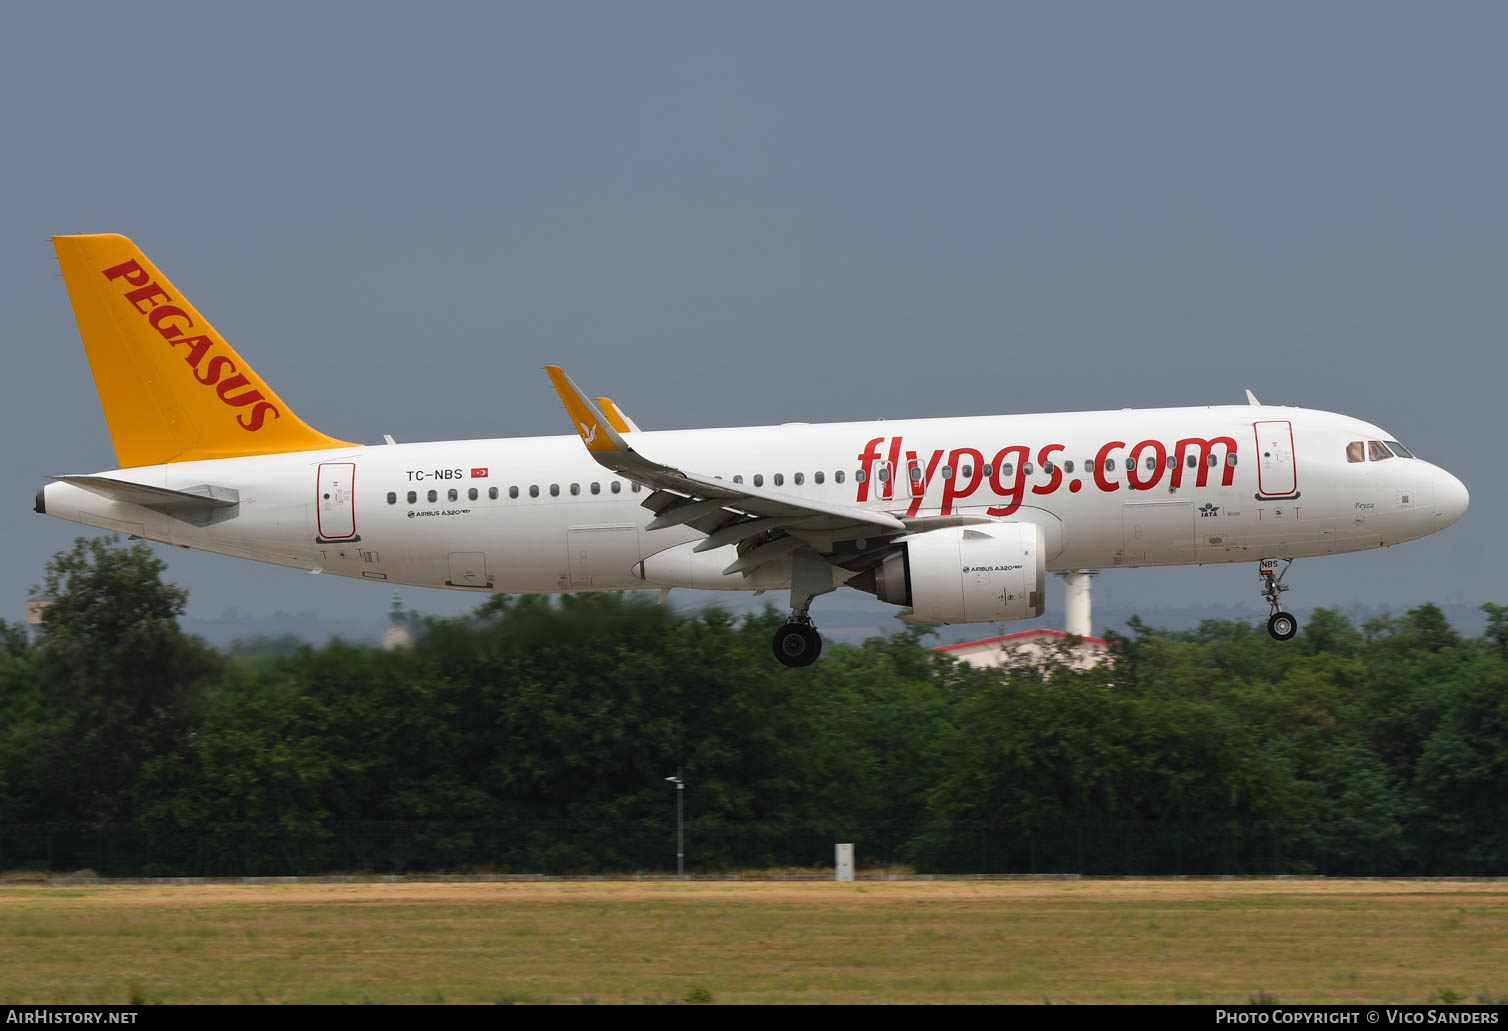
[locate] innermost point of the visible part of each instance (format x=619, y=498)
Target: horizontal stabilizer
x=200, y=505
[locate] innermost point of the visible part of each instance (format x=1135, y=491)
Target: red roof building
x=1030, y=648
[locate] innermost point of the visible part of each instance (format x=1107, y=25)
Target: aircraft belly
x=113, y=521
x=502, y=544
x=601, y=556
x=1280, y=527
x=265, y=533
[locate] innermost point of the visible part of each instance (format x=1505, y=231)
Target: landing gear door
x=336, y=502
x=1277, y=474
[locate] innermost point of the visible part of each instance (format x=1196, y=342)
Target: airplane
x=958, y=520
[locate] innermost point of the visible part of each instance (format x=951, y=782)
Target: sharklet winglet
x=616, y=415
x=592, y=426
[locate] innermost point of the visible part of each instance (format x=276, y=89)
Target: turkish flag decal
x=479, y=474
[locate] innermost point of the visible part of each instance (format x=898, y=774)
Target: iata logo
x=171, y=321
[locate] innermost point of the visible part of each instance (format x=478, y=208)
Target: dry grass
x=869, y=942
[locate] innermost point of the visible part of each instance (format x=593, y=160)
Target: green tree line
x=536, y=735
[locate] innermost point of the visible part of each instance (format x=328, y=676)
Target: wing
x=766, y=525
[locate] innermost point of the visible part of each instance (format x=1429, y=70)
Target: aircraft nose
x=1451, y=499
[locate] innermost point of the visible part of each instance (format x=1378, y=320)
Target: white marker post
x=844, y=862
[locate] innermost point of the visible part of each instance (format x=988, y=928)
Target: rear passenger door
x=335, y=501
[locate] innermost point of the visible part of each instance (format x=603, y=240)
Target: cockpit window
x=1399, y=450
x=1356, y=452
x=1377, y=450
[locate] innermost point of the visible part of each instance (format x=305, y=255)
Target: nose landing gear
x=1281, y=625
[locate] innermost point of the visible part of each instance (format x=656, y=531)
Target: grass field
x=747, y=942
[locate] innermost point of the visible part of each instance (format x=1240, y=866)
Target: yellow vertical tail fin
x=172, y=389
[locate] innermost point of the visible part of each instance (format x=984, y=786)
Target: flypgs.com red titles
x=966, y=469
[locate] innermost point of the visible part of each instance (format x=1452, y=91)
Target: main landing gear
x=1281, y=625
x=798, y=643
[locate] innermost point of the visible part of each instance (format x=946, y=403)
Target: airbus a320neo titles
x=958, y=519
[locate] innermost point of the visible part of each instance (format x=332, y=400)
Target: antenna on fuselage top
x=1251, y=399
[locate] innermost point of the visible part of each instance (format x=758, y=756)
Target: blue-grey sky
x=770, y=212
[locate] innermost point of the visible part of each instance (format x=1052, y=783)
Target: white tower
x=398, y=633
x=1078, y=616
x=36, y=606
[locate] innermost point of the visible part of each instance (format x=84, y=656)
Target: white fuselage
x=537, y=514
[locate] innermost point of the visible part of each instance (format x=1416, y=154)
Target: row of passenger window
x=798, y=479
x=453, y=494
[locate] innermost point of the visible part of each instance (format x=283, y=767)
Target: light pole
x=680, y=819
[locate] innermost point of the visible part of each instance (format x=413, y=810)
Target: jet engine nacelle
x=968, y=574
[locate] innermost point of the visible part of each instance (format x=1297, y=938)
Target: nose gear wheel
x=1281, y=625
